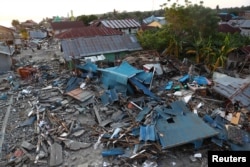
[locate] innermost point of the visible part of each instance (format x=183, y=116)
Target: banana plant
x=202, y=49
x=223, y=52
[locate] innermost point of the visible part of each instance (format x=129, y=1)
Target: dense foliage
x=192, y=31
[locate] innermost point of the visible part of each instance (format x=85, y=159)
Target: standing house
x=239, y=59
x=5, y=57
x=245, y=28
x=98, y=47
x=127, y=26
x=6, y=35
x=87, y=32
x=154, y=21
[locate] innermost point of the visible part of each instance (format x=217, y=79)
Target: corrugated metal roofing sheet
x=82, y=47
x=120, y=24
x=80, y=94
x=228, y=28
x=87, y=32
x=235, y=89
x=6, y=50
x=66, y=25
x=245, y=24
x=182, y=129
x=147, y=133
x=120, y=74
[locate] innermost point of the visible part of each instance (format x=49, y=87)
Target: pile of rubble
x=123, y=115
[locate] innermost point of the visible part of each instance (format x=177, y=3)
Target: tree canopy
x=192, y=20
x=192, y=31
x=86, y=19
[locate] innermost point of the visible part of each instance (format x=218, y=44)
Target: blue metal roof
x=142, y=114
x=147, y=133
x=120, y=74
x=142, y=87
x=109, y=97
x=182, y=129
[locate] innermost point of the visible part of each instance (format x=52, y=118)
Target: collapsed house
x=130, y=113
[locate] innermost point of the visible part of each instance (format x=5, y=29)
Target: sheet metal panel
x=80, y=94
x=4, y=49
x=145, y=90
x=120, y=74
x=147, y=133
x=179, y=107
x=233, y=89
x=82, y=47
x=145, y=77
x=142, y=114
x=121, y=24
x=184, y=129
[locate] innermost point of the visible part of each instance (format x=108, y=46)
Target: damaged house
x=240, y=59
x=234, y=89
x=5, y=57
x=6, y=35
x=108, y=48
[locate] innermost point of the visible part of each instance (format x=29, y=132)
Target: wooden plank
x=235, y=118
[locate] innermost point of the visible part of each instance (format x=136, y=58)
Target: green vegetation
x=86, y=19
x=192, y=32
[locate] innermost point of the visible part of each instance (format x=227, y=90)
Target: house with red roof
x=59, y=27
x=87, y=32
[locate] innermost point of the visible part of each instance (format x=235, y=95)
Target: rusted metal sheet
x=87, y=32
x=80, y=94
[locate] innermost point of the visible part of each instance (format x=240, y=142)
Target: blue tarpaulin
x=200, y=80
